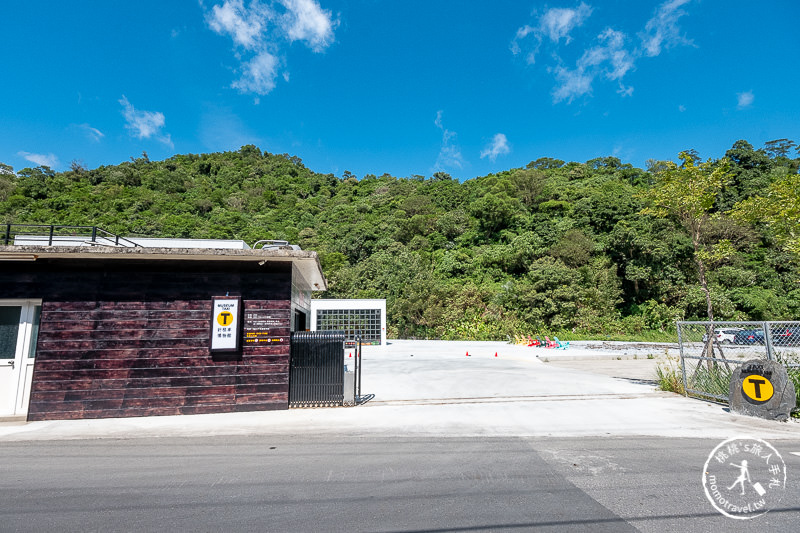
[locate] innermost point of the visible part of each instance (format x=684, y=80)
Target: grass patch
x=669, y=377
x=715, y=379
x=794, y=376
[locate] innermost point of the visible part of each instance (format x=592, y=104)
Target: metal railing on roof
x=267, y=244
x=44, y=234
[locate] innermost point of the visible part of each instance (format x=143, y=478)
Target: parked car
x=786, y=336
x=749, y=336
x=724, y=335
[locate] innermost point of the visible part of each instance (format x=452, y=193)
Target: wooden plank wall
x=101, y=353
x=118, y=359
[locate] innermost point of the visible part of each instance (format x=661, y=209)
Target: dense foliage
x=555, y=246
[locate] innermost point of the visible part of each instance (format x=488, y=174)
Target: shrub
x=669, y=376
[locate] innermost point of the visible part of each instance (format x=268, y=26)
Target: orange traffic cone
x=351, y=354
x=467, y=354
x=495, y=354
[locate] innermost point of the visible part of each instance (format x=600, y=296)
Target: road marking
x=519, y=399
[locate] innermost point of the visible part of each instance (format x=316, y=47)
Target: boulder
x=762, y=388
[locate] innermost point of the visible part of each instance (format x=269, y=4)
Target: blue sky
x=400, y=87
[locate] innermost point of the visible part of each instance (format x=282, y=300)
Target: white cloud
x=438, y=120
x=555, y=24
x=42, y=160
x=259, y=75
x=662, y=30
x=261, y=28
x=145, y=124
x=613, y=51
x=450, y=153
x=625, y=90
x=244, y=26
x=572, y=83
x=610, y=56
x=305, y=20
x=449, y=157
x=744, y=100
x=498, y=146
x=92, y=133
x=522, y=32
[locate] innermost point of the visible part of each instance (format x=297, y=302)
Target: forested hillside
x=576, y=248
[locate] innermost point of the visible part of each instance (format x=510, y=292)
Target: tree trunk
x=701, y=272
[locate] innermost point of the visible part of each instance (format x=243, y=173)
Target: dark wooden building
x=110, y=331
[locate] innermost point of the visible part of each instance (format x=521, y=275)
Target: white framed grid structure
x=355, y=317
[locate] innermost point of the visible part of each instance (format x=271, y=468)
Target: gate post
x=683, y=361
x=768, y=341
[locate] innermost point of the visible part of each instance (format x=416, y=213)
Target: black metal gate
x=316, y=368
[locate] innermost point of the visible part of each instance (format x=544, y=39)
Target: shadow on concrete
x=364, y=399
x=639, y=381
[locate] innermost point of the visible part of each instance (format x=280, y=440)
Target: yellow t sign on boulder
x=761, y=388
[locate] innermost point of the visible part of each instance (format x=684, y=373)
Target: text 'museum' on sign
x=225, y=323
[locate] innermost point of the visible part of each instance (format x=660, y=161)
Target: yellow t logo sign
x=224, y=318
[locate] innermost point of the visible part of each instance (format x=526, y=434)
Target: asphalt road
x=331, y=484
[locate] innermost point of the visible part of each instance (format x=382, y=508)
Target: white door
x=19, y=329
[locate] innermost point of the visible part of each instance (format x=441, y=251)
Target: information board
x=225, y=324
x=266, y=326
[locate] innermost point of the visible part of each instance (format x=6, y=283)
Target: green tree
x=650, y=255
x=494, y=211
x=749, y=173
x=34, y=181
x=688, y=193
x=6, y=169
x=779, y=209
x=551, y=245
x=6, y=181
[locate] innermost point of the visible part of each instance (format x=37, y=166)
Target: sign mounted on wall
x=266, y=326
x=225, y=323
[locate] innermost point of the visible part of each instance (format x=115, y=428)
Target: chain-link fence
x=710, y=351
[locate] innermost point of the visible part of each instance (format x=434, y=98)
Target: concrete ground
x=433, y=388
x=643, y=370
